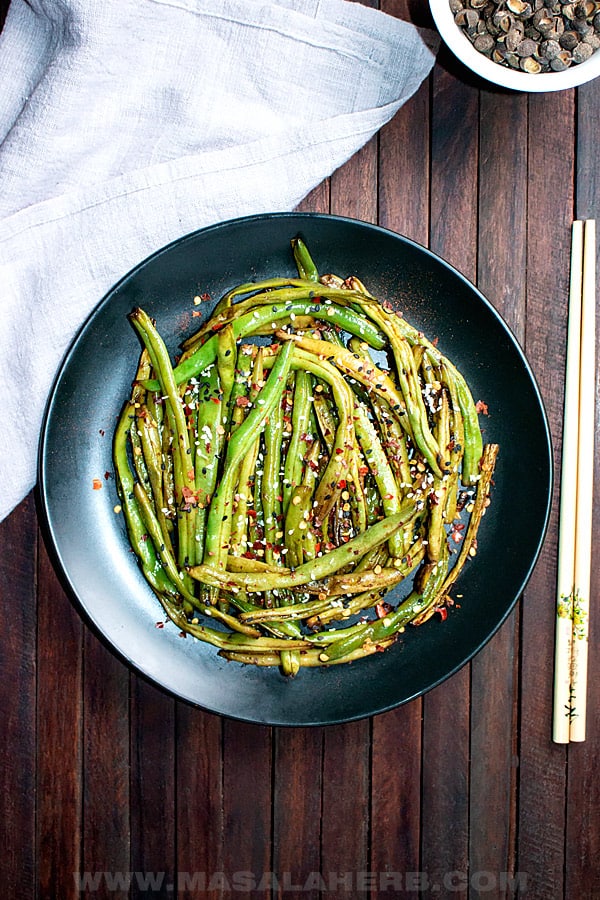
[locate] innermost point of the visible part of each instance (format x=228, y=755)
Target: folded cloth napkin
x=127, y=123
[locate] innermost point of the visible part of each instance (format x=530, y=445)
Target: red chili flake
x=442, y=612
x=182, y=634
x=338, y=450
x=217, y=326
x=189, y=496
x=482, y=408
x=456, y=535
x=107, y=475
x=205, y=296
x=242, y=401
x=382, y=609
x=215, y=400
x=342, y=483
x=101, y=432
x=252, y=513
x=96, y=484
x=196, y=314
x=317, y=547
x=160, y=625
x=363, y=470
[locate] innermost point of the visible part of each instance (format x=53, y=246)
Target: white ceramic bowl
x=461, y=46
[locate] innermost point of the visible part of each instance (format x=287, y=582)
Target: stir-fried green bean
x=274, y=492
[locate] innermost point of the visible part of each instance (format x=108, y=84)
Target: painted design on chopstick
x=574, y=550
x=570, y=711
x=580, y=617
x=564, y=606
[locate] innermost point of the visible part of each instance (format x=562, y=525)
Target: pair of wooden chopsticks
x=575, y=548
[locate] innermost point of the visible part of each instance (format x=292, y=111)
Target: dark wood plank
x=354, y=185
x=583, y=788
x=297, y=793
x=247, y=808
x=395, y=802
x=587, y=173
x=152, y=790
x=59, y=757
x=199, y=806
x=18, y=537
x=318, y=199
x=345, y=818
x=404, y=159
x=549, y=214
x=454, y=160
x=106, y=799
x=501, y=268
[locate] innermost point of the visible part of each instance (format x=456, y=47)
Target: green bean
x=282, y=487
x=247, y=323
x=326, y=420
x=298, y=534
x=292, y=474
x=226, y=359
x=315, y=569
x=244, y=498
x=371, y=376
x=219, y=518
x=304, y=261
x=270, y=487
x=185, y=483
x=208, y=447
x=151, y=448
x=381, y=469
x=144, y=548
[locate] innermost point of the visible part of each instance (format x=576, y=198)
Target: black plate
x=90, y=541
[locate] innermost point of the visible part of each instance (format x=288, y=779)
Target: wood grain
x=446, y=721
x=106, y=761
x=297, y=809
x=152, y=788
x=199, y=809
x=247, y=803
x=582, y=845
x=59, y=737
x=18, y=602
x=501, y=266
x=542, y=764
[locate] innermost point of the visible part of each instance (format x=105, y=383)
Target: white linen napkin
x=127, y=123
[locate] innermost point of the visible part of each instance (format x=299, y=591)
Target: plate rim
x=42, y=500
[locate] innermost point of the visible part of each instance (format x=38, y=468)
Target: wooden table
x=459, y=794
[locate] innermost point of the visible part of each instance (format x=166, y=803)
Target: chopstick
x=574, y=550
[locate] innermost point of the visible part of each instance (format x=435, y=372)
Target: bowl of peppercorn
x=523, y=45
